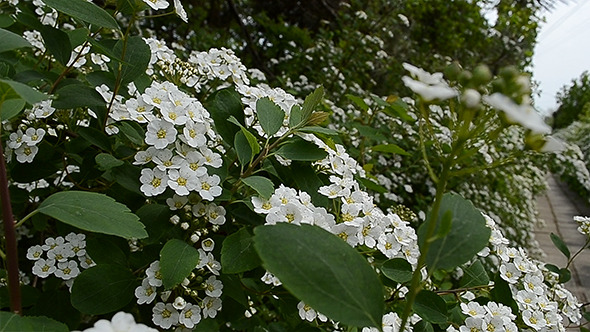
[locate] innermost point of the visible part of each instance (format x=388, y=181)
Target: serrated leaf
x=177, y=260
x=323, y=271
x=559, y=244
x=397, y=269
x=468, y=234
x=77, y=95
x=319, y=130
x=431, y=307
x=358, y=101
x=311, y=102
x=11, y=41
x=389, y=148
x=85, y=11
x=252, y=141
x=106, y=161
x=270, y=116
x=299, y=149
x=57, y=43
x=263, y=186
x=93, y=212
x=475, y=275
x=102, y=289
x=295, y=116
x=13, y=322
x=238, y=254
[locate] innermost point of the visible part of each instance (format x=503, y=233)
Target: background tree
x=572, y=101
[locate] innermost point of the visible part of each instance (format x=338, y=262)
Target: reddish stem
x=10, y=235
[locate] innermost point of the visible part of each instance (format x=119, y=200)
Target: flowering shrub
x=194, y=199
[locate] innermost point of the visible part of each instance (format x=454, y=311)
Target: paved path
x=558, y=207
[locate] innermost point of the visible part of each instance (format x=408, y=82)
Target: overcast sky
x=563, y=50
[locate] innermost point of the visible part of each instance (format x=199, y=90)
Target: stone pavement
x=558, y=207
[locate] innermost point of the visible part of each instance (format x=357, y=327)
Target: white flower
x=154, y=182
x=388, y=245
x=215, y=214
x=144, y=157
x=269, y=279
x=207, y=187
x=525, y=114
x=145, y=293
x=534, y=319
x=510, y=273
x=213, y=287
x=121, y=322
x=176, y=202
x=43, y=109
x=153, y=274
x=471, y=98
x=15, y=139
x=210, y=306
x=157, y=4
x=194, y=134
x=164, y=315
x=428, y=92
x=182, y=181
x=34, y=253
x=26, y=153
x=190, y=315
x=308, y=313
x=33, y=136
x=212, y=159
x=473, y=309
x=43, y=268
x=160, y=133
x=86, y=262
x=67, y=270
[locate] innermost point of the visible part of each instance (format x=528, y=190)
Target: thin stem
x=10, y=236
x=571, y=260
x=27, y=217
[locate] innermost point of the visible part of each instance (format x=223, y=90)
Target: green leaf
x=93, y=212
x=177, y=260
x=77, y=95
x=252, y=141
x=475, y=275
x=6, y=20
x=238, y=254
x=103, y=250
x=323, y=271
x=133, y=131
x=311, y=102
x=371, y=185
x=295, y=116
x=300, y=149
x=270, y=116
x=85, y=11
x=358, y=102
x=431, y=307
x=57, y=43
x=11, y=108
x=136, y=58
x=102, y=289
x=263, y=186
x=423, y=326
x=23, y=91
x=552, y=268
x=95, y=137
x=221, y=105
x=468, y=234
x=319, y=130
x=11, y=41
x=243, y=149
x=564, y=275
x=13, y=322
x=389, y=148
x=397, y=269
x=559, y=244
x=106, y=161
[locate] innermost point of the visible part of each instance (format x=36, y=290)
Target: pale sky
x=563, y=50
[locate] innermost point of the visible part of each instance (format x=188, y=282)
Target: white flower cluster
x=121, y=322
x=201, y=68
x=584, y=223
x=24, y=143
x=491, y=316
x=182, y=313
x=250, y=96
x=60, y=256
x=538, y=303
